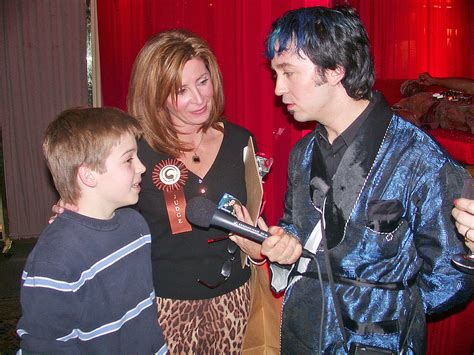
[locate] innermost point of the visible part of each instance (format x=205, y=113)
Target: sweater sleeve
x=50, y=310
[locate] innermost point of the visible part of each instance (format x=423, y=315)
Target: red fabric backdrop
x=413, y=36
x=236, y=30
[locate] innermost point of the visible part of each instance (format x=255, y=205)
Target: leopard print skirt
x=211, y=326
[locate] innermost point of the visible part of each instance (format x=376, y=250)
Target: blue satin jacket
x=390, y=163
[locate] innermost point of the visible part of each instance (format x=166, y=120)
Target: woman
x=189, y=150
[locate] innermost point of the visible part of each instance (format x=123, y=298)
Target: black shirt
x=333, y=153
x=179, y=260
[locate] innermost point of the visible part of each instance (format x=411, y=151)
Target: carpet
x=11, y=268
x=10, y=312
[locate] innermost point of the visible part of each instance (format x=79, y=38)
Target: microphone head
x=199, y=211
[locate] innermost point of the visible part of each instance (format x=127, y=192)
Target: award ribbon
x=169, y=176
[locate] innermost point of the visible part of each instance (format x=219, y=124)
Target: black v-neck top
x=179, y=260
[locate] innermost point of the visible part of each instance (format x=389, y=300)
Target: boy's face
x=120, y=185
x=305, y=93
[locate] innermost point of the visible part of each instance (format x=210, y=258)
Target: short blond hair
x=156, y=75
x=83, y=136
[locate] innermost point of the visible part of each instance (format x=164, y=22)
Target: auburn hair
x=157, y=75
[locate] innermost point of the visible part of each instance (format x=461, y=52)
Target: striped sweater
x=87, y=288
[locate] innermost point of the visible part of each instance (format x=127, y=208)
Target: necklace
x=196, y=158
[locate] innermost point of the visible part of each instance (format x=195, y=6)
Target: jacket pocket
x=384, y=216
x=377, y=245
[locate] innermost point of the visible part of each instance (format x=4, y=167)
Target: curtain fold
x=409, y=37
x=43, y=71
x=96, y=81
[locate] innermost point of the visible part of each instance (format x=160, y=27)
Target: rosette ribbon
x=169, y=176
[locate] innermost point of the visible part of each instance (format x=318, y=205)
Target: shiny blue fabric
x=411, y=168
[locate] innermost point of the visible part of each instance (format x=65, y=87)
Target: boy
x=87, y=285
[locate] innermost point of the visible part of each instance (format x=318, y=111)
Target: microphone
x=202, y=212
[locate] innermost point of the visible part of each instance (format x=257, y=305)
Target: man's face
x=306, y=93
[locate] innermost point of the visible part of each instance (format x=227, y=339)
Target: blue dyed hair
x=329, y=38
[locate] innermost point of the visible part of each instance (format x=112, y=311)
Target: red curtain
x=408, y=37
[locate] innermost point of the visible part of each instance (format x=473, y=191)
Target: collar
x=349, y=134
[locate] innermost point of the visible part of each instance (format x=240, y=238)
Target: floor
x=11, y=267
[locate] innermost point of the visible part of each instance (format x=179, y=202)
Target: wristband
x=258, y=263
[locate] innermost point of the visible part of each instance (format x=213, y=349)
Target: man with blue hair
x=368, y=193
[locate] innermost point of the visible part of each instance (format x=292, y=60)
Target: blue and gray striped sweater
x=87, y=288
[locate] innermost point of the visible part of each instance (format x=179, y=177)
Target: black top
x=87, y=288
x=179, y=260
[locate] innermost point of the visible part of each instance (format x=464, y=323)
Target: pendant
x=196, y=158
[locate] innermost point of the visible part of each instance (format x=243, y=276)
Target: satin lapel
x=353, y=170
x=319, y=180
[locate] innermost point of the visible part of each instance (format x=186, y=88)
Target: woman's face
x=193, y=105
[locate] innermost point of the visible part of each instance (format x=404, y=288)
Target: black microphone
x=202, y=212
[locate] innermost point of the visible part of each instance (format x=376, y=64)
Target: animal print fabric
x=210, y=326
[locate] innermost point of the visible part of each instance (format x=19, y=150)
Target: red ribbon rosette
x=169, y=176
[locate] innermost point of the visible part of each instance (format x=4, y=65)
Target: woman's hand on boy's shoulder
x=59, y=208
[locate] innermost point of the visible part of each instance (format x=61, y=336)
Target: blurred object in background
x=449, y=109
